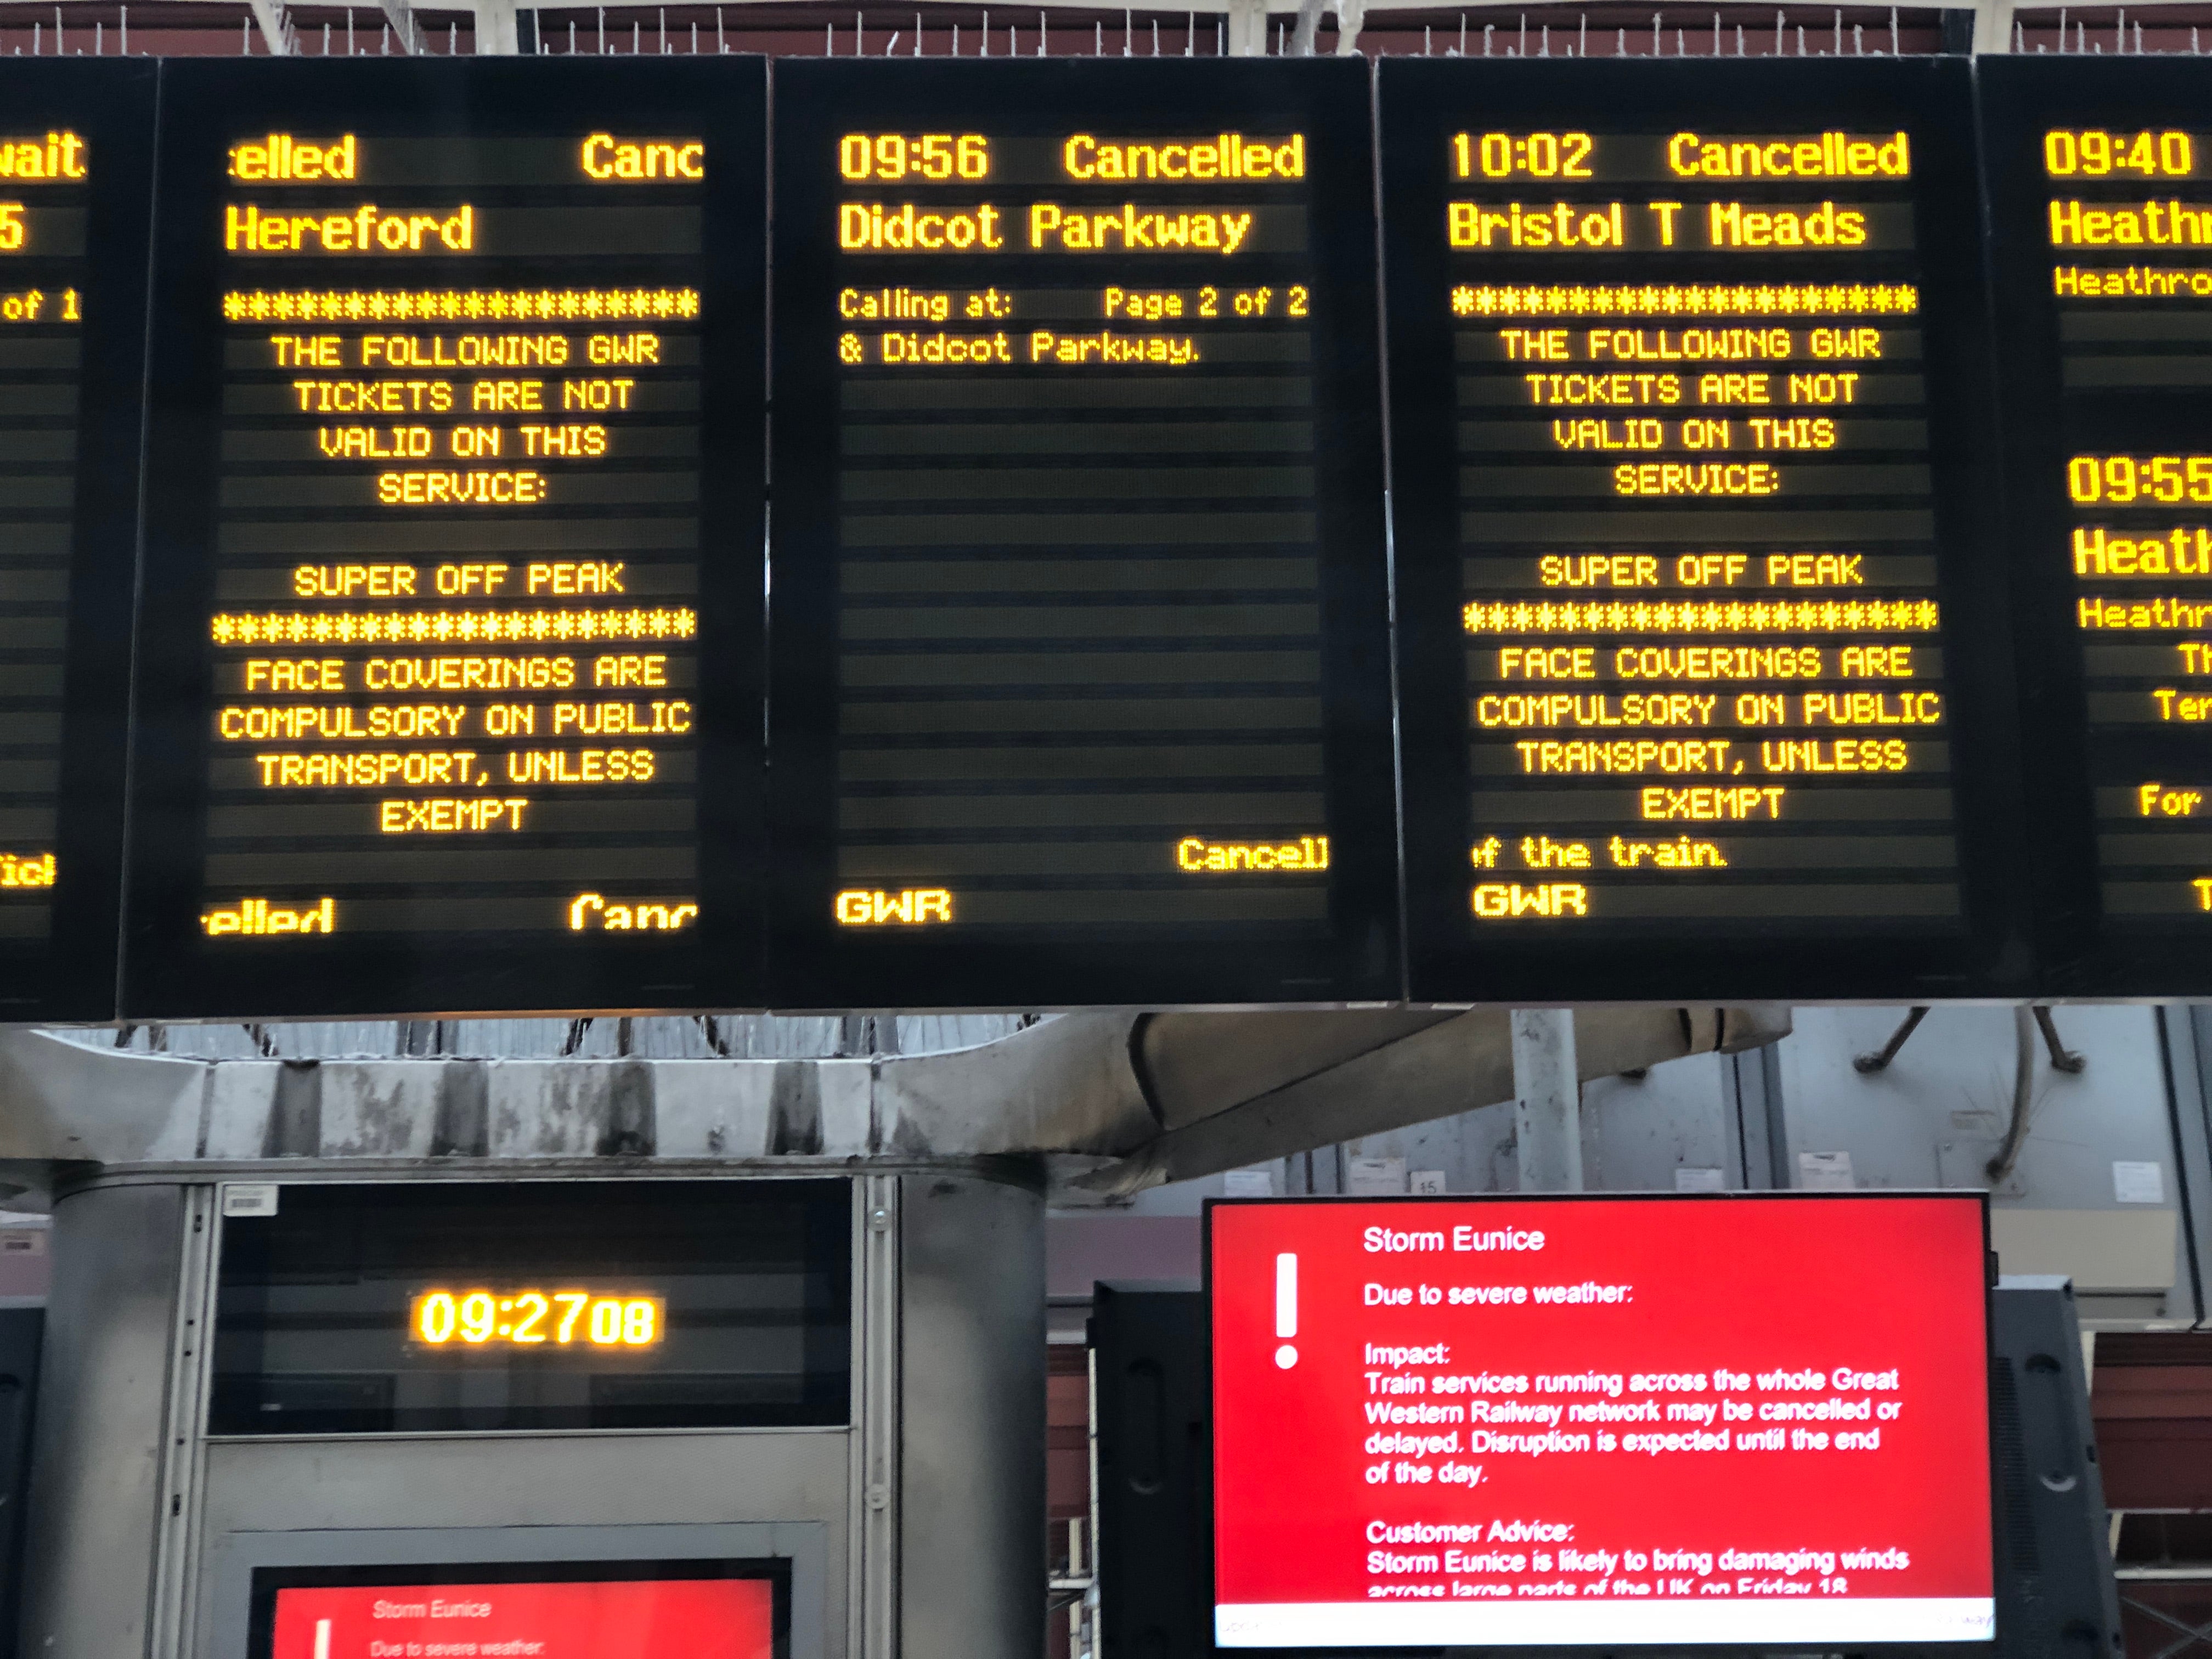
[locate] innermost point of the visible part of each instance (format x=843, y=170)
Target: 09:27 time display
x=529, y=1318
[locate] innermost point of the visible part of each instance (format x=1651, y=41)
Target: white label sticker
x=242, y=1199
x=2138, y=1183
x=1247, y=1183
x=1826, y=1172
x=1375, y=1177
x=1690, y=1179
x=1429, y=1183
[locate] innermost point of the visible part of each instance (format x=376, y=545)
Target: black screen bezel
x=818, y=965
x=169, y=970
x=72, y=975
x=1986, y=953
x=261, y=1629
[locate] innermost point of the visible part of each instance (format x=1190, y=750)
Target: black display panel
x=1080, y=655
x=1703, y=681
x=76, y=195
x=449, y=670
x=578, y=1305
x=2101, y=224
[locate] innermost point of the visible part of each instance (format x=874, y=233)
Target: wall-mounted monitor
x=450, y=639
x=1701, y=651
x=2101, y=227
x=676, y=1609
x=1080, y=684
x=77, y=180
x=1689, y=1423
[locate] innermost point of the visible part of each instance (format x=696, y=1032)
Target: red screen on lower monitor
x=1741, y=1419
x=627, y=1619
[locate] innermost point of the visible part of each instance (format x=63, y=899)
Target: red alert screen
x=636, y=1619
x=1648, y=1420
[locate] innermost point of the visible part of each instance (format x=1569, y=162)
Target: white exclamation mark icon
x=1287, y=1309
x=322, y=1638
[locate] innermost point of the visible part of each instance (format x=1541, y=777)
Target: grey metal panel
x=525, y=1498
x=1938, y=1112
x=972, y=1533
x=1636, y=1133
x=1474, y=1151
x=1639, y=1131
x=103, y=1384
x=603, y=1479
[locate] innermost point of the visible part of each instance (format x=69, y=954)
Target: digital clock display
x=1539, y=154
x=935, y=157
x=423, y=1307
x=2091, y=153
x=530, y=1318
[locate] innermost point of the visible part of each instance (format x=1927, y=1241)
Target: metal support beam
x=1128, y=1101
x=1350, y=15
x=1212, y=8
x=1993, y=26
x=277, y=31
x=1547, y=1101
x=497, y=31
x=1248, y=28
x=401, y=16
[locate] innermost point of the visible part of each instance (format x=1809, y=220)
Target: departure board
x=451, y=640
x=2099, y=188
x=1079, y=685
x=76, y=192
x=1700, y=637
